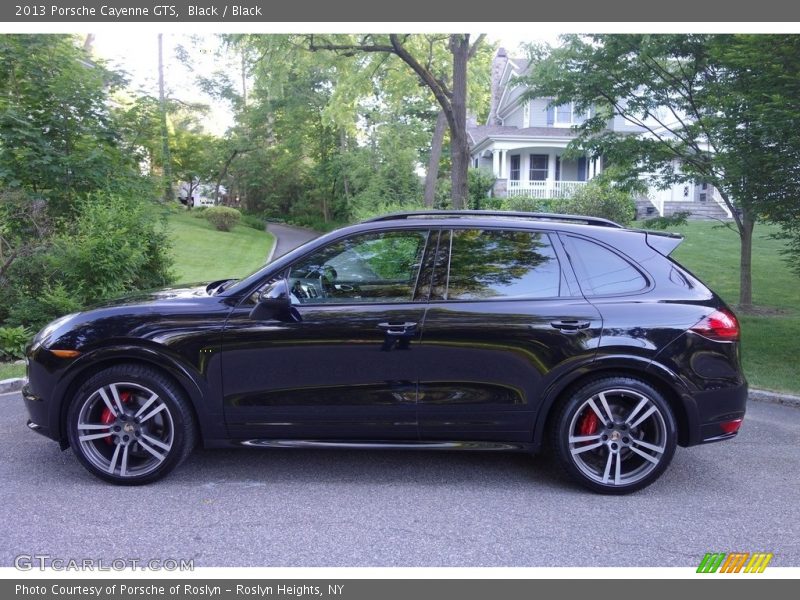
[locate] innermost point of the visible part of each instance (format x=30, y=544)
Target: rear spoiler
x=663, y=242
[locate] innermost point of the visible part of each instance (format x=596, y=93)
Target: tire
x=618, y=453
x=130, y=425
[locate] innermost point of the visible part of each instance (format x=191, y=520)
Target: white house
x=523, y=143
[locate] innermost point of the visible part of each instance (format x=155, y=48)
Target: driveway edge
x=12, y=385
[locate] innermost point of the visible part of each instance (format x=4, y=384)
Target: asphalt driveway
x=288, y=237
x=359, y=508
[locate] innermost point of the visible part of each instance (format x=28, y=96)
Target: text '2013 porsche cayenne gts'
x=430, y=330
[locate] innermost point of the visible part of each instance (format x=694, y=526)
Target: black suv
x=439, y=330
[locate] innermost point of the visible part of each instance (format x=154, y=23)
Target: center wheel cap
x=129, y=428
x=615, y=436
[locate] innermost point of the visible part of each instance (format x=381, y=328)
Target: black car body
x=461, y=330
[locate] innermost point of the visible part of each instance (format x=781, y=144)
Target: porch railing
x=543, y=189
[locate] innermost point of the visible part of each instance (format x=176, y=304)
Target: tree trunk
x=166, y=158
x=432, y=176
x=746, y=260
x=222, y=175
x=459, y=145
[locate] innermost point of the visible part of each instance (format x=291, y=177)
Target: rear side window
x=602, y=272
x=489, y=263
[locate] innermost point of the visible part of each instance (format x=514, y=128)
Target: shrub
x=254, y=221
x=480, y=183
x=223, y=218
x=674, y=220
x=599, y=200
x=13, y=341
x=112, y=245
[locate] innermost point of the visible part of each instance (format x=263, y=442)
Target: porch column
x=496, y=163
x=592, y=165
x=504, y=164
x=551, y=174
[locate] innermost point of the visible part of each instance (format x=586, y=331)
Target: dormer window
x=565, y=115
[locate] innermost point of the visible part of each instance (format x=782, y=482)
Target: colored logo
x=734, y=562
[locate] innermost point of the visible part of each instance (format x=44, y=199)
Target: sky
x=136, y=52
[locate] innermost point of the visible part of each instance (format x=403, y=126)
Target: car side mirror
x=273, y=303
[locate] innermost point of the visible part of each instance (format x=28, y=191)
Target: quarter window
x=601, y=272
x=488, y=263
x=374, y=267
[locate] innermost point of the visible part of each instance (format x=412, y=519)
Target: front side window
x=488, y=263
x=372, y=267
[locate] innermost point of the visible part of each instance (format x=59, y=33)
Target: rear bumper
x=716, y=407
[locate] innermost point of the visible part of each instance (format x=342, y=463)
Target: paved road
x=351, y=508
x=289, y=237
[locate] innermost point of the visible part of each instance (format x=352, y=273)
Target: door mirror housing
x=274, y=303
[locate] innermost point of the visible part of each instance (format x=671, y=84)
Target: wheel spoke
x=115, y=395
x=145, y=406
x=156, y=442
x=153, y=412
x=596, y=410
x=113, y=464
x=107, y=401
x=86, y=426
x=609, y=415
x=583, y=438
x=653, y=447
x=618, y=471
x=585, y=448
x=159, y=457
x=609, y=462
x=93, y=436
x=123, y=467
x=636, y=410
x=644, y=455
x=646, y=414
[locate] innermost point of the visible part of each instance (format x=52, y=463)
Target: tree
x=166, y=158
x=690, y=100
x=451, y=97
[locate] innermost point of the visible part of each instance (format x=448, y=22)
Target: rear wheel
x=130, y=425
x=615, y=435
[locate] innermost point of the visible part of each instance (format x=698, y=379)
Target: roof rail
x=444, y=214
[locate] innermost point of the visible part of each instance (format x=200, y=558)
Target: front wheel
x=615, y=435
x=130, y=425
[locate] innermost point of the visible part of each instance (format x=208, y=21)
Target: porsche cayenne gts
x=464, y=330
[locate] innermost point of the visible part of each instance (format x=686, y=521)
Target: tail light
x=731, y=426
x=721, y=325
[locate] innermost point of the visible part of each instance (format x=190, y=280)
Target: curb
x=12, y=385
x=774, y=398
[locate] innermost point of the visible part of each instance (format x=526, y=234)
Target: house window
x=538, y=167
x=515, y=167
x=558, y=168
x=566, y=115
x=582, y=168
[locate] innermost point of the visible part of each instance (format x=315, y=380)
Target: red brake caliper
x=107, y=417
x=588, y=423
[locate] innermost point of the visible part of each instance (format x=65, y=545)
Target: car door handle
x=570, y=325
x=406, y=328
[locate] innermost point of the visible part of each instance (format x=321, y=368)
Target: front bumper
x=38, y=413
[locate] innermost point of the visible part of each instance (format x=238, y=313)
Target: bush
x=223, y=218
x=599, y=200
x=480, y=183
x=674, y=220
x=112, y=245
x=254, y=221
x=13, y=341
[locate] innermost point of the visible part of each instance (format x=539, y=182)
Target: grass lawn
x=10, y=370
x=770, y=342
x=204, y=254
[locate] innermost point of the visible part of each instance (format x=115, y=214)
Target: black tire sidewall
x=560, y=432
x=171, y=395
